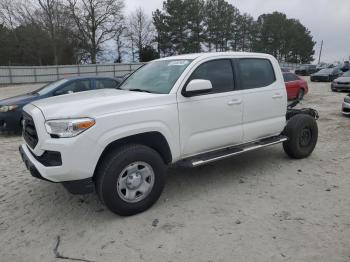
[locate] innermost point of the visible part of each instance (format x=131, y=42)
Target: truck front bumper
x=36, y=169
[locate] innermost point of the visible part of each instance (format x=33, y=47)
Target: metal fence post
x=78, y=69
x=35, y=76
x=96, y=69
x=57, y=73
x=10, y=75
x=114, y=70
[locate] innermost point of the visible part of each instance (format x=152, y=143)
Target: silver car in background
x=346, y=106
x=341, y=83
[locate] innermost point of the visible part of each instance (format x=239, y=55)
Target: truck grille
x=29, y=131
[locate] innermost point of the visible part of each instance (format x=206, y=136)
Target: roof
x=212, y=54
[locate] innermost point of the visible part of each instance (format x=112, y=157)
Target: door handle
x=275, y=96
x=235, y=102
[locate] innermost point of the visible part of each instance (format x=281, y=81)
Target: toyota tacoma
x=185, y=110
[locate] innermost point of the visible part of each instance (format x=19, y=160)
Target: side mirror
x=197, y=86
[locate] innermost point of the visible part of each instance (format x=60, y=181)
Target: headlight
x=4, y=109
x=68, y=127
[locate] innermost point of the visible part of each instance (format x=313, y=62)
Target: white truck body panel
x=190, y=125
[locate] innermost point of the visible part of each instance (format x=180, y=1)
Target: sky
x=328, y=20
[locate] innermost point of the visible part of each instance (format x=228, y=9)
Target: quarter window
x=218, y=72
x=255, y=73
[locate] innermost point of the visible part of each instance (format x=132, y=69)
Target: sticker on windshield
x=178, y=63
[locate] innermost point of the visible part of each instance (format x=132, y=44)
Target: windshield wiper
x=138, y=90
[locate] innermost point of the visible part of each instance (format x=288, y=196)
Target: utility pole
x=319, y=57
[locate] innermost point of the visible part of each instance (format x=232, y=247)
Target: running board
x=231, y=151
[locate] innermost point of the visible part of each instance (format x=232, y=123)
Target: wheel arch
x=153, y=139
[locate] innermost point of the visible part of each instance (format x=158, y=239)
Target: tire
x=300, y=94
x=114, y=176
x=302, y=132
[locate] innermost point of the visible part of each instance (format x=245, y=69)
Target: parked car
x=346, y=105
x=323, y=66
x=341, y=83
x=186, y=110
x=11, y=108
x=306, y=70
x=346, y=66
x=326, y=75
x=296, y=87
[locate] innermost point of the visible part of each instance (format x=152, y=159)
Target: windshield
x=326, y=71
x=50, y=87
x=346, y=74
x=156, y=77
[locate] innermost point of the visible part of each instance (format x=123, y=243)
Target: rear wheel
x=301, y=94
x=302, y=132
x=130, y=179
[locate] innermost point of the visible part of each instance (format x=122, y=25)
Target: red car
x=296, y=87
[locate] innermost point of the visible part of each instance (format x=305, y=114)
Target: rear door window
x=255, y=73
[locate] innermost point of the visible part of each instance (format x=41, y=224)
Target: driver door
x=213, y=120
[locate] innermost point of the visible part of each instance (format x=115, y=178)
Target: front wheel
x=302, y=133
x=130, y=179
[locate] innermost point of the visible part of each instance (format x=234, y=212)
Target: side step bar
x=231, y=151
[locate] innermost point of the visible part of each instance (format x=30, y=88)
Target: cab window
x=255, y=73
x=218, y=72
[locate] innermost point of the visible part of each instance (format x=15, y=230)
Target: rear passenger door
x=264, y=98
x=212, y=120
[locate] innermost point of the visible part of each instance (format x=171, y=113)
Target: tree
x=195, y=14
x=286, y=39
x=244, y=33
x=97, y=21
x=179, y=26
x=120, y=43
x=162, y=36
x=148, y=53
x=54, y=19
x=221, y=20
x=140, y=30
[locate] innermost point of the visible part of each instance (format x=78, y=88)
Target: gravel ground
x=261, y=206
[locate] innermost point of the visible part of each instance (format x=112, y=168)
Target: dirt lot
x=260, y=206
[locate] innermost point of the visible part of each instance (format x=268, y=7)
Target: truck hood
x=99, y=102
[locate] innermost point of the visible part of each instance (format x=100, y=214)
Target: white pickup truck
x=185, y=110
